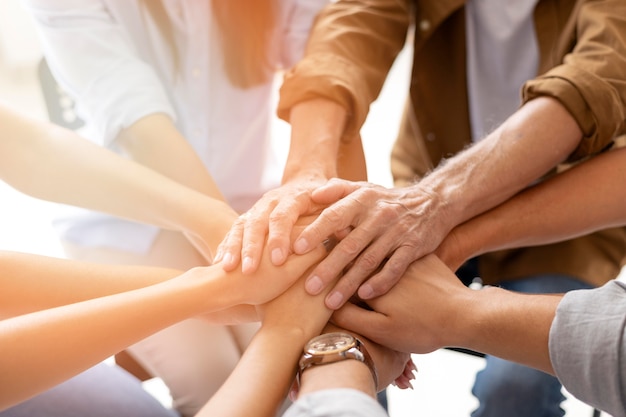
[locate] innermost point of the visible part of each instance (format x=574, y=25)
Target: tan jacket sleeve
x=591, y=79
x=351, y=49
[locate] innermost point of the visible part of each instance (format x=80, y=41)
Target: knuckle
x=350, y=248
x=394, y=268
x=369, y=261
x=333, y=214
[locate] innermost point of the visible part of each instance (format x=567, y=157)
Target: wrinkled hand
x=417, y=315
x=382, y=231
x=272, y=217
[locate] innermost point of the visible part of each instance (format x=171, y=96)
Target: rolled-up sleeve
x=350, y=52
x=591, y=80
x=91, y=56
x=588, y=346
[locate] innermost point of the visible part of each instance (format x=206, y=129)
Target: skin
x=430, y=308
x=548, y=212
x=398, y=226
x=86, y=175
x=290, y=332
x=102, y=309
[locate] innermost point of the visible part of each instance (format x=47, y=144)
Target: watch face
x=329, y=343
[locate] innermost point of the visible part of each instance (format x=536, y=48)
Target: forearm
x=548, y=212
x=25, y=290
x=526, y=146
x=155, y=142
x=317, y=126
x=44, y=348
x=508, y=325
x=89, y=176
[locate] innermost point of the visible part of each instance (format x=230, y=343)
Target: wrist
x=345, y=374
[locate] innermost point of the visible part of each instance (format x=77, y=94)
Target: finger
x=254, y=234
x=229, y=250
x=369, y=261
x=330, y=268
x=335, y=218
x=391, y=272
x=359, y=320
x=281, y=223
x=334, y=190
x=297, y=265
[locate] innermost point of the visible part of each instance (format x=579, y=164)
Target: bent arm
x=55, y=164
x=579, y=201
x=75, y=314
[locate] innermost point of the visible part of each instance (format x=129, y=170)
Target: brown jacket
x=582, y=47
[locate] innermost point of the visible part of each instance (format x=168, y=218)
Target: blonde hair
x=245, y=28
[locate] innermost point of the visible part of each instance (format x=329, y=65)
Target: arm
x=402, y=225
x=430, y=308
x=581, y=200
x=289, y=321
x=87, y=175
x=107, y=312
x=325, y=98
x=93, y=52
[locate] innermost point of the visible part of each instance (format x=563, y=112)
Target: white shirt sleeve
x=588, y=346
x=93, y=57
x=340, y=402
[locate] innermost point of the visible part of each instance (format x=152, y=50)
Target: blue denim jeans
x=505, y=388
x=101, y=391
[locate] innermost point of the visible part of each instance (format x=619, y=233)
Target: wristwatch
x=334, y=347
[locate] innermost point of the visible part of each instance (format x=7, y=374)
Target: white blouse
x=113, y=60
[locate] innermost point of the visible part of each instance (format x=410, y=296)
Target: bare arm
x=65, y=316
x=52, y=163
x=316, y=154
x=581, y=200
x=402, y=225
x=430, y=308
x=289, y=322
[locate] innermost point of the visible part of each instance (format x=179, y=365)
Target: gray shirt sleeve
x=588, y=346
x=340, y=402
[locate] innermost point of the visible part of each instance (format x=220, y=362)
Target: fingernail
x=366, y=291
x=247, y=264
x=277, y=256
x=335, y=300
x=314, y=285
x=228, y=259
x=301, y=246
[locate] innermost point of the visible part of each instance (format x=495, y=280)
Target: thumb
x=334, y=190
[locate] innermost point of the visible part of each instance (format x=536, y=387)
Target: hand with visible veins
x=381, y=231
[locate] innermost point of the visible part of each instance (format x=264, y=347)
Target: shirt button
x=424, y=25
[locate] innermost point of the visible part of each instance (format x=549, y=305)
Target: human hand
x=452, y=252
x=382, y=230
x=269, y=281
x=420, y=314
x=272, y=217
x=390, y=366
